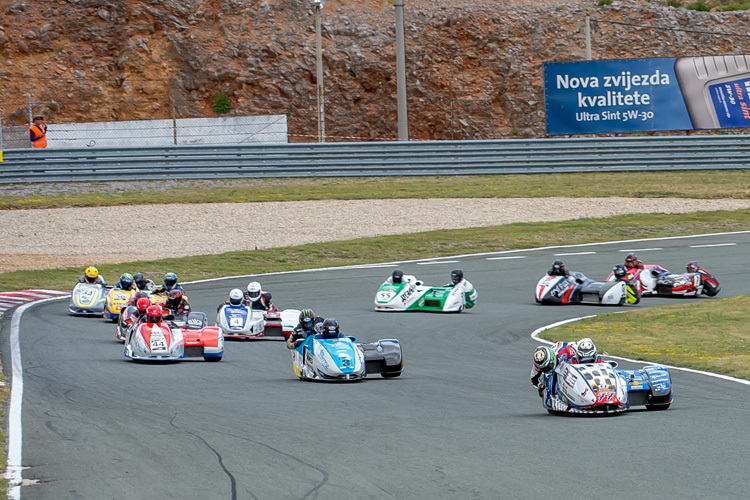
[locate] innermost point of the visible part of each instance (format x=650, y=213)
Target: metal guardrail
x=512, y=156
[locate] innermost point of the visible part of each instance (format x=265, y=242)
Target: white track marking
x=573, y=253
x=437, y=262
x=641, y=249
x=716, y=245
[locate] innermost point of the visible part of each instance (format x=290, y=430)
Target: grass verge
x=402, y=247
x=706, y=335
x=691, y=184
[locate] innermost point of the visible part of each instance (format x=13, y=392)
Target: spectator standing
x=38, y=132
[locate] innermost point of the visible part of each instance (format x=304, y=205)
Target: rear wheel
x=710, y=289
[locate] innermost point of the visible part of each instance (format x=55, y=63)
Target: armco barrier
x=514, y=156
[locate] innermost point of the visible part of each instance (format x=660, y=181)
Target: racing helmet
x=306, y=318
x=619, y=271
x=397, y=276
x=236, y=296
x=143, y=304
x=91, y=273
x=140, y=294
x=153, y=314
x=545, y=359
x=170, y=280
x=330, y=329
x=558, y=266
x=456, y=276
x=586, y=351
x=631, y=260
x=140, y=280
x=174, y=298
x=126, y=281
x=692, y=267
x=253, y=290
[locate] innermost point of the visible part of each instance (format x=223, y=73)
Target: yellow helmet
x=92, y=272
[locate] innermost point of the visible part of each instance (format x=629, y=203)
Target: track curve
x=462, y=422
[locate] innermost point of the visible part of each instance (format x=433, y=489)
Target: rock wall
x=474, y=67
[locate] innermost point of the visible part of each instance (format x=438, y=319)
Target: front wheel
x=212, y=359
x=656, y=407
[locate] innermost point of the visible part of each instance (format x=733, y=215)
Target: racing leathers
x=263, y=303
x=176, y=309
x=99, y=280
x=145, y=284
x=227, y=302
x=163, y=289
x=470, y=294
x=405, y=279
x=133, y=287
x=300, y=332
x=634, y=295
x=562, y=271
x=566, y=353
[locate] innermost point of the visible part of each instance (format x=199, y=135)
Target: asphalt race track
x=462, y=422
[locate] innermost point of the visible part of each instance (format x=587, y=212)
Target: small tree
x=222, y=105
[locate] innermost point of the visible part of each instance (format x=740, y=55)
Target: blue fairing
x=636, y=379
x=341, y=351
x=661, y=381
x=236, y=316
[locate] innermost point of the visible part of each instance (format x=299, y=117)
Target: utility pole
x=403, y=121
x=587, y=32
x=317, y=4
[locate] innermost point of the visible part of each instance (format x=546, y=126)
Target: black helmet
x=306, y=318
x=174, y=298
x=330, y=329
x=692, y=267
x=140, y=280
x=558, y=265
x=456, y=276
x=619, y=271
x=397, y=276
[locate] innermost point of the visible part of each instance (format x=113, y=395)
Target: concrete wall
x=183, y=131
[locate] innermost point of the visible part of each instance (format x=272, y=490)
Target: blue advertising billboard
x=641, y=95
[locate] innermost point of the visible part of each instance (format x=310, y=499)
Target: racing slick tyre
x=212, y=359
x=710, y=290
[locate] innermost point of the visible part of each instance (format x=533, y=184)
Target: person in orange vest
x=38, y=132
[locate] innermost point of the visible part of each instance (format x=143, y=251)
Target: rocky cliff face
x=474, y=67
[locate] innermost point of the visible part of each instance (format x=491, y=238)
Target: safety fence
x=512, y=156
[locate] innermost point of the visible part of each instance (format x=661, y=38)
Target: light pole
x=403, y=121
x=318, y=4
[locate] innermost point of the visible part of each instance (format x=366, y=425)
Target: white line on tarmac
x=640, y=249
x=716, y=245
x=573, y=253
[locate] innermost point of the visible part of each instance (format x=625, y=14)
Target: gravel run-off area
x=56, y=238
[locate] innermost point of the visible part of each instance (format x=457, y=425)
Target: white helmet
x=235, y=297
x=253, y=290
x=586, y=351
